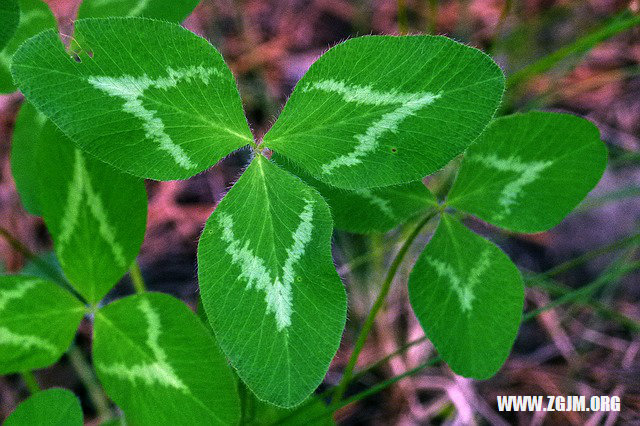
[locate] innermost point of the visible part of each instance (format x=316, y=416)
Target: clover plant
x=133, y=98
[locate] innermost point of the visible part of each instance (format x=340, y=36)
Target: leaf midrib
x=200, y=117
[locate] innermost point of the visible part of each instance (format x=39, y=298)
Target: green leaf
x=24, y=168
x=35, y=16
x=9, y=18
x=159, y=363
x=44, y=265
x=166, y=10
x=95, y=214
x=268, y=283
x=383, y=110
x=263, y=414
x=528, y=171
x=38, y=320
x=52, y=407
x=468, y=297
x=148, y=97
x=368, y=210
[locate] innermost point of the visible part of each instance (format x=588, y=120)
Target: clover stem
x=432, y=13
x=136, y=278
x=54, y=274
x=88, y=378
x=403, y=21
x=377, y=305
x=30, y=381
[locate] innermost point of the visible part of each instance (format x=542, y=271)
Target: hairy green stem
x=506, y=9
x=403, y=20
x=90, y=381
x=540, y=280
x=56, y=276
x=377, y=305
x=136, y=278
x=30, y=380
x=614, y=273
x=432, y=16
x=616, y=25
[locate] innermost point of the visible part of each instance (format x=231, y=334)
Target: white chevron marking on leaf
x=138, y=8
x=464, y=290
x=408, y=104
x=377, y=201
x=277, y=291
x=527, y=173
x=17, y=292
x=78, y=188
x=157, y=372
x=26, y=341
x=131, y=90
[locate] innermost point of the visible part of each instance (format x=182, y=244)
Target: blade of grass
x=592, y=254
x=613, y=196
x=617, y=270
x=618, y=24
x=556, y=289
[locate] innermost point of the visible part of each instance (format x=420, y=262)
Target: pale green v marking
x=408, y=104
x=80, y=186
x=131, y=90
x=464, y=290
x=278, y=291
x=15, y=293
x=527, y=173
x=26, y=341
x=157, y=372
x=381, y=203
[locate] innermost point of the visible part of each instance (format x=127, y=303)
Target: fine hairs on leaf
x=370, y=119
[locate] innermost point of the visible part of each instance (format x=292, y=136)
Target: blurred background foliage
x=582, y=329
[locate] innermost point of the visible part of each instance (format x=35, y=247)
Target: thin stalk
x=90, y=381
x=616, y=271
x=326, y=393
x=30, y=380
x=616, y=25
x=592, y=254
x=556, y=289
x=613, y=196
x=614, y=274
x=136, y=278
x=504, y=12
x=432, y=16
x=55, y=275
x=372, y=390
x=377, y=305
x=387, y=358
x=403, y=20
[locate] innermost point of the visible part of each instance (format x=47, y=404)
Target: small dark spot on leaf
x=298, y=279
x=76, y=57
x=394, y=149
